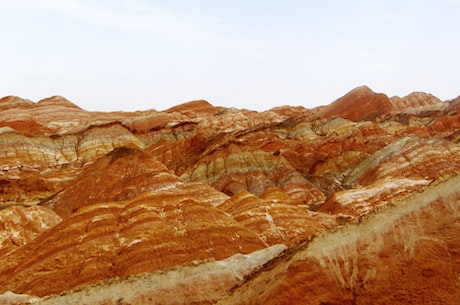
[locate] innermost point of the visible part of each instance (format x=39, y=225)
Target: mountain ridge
x=91, y=201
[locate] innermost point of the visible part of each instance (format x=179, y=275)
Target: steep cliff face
x=355, y=202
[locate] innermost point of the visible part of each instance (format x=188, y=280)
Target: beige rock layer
x=161, y=287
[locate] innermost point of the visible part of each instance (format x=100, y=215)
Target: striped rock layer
x=355, y=202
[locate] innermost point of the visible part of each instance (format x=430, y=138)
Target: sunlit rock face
x=124, y=174
x=359, y=104
x=407, y=253
x=355, y=202
x=154, y=231
x=20, y=224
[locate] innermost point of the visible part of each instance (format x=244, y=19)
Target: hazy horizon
x=137, y=55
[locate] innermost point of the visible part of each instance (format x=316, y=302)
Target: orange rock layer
x=360, y=193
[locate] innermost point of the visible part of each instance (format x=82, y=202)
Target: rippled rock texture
x=356, y=202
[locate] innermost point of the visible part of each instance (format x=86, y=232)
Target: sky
x=254, y=54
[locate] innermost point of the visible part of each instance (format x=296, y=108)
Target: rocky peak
x=194, y=108
x=56, y=101
x=418, y=102
x=10, y=101
x=360, y=103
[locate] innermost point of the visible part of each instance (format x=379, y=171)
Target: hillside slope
x=356, y=202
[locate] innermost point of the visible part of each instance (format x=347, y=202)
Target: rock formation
x=356, y=202
x=20, y=224
x=417, y=101
x=359, y=104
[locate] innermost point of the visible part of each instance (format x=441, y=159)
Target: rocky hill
x=356, y=202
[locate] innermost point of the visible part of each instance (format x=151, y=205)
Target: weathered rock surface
x=275, y=219
x=161, y=287
x=359, y=104
x=417, y=102
x=355, y=202
x=151, y=232
x=406, y=254
x=124, y=174
x=19, y=225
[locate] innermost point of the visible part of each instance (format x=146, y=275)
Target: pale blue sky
x=140, y=54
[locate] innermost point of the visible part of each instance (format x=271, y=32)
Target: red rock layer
x=359, y=104
x=151, y=232
x=194, y=109
x=144, y=191
x=408, y=254
x=124, y=174
x=161, y=286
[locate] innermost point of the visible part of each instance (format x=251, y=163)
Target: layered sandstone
x=355, y=202
x=161, y=287
x=117, y=239
x=359, y=104
x=406, y=254
x=21, y=224
x=417, y=102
